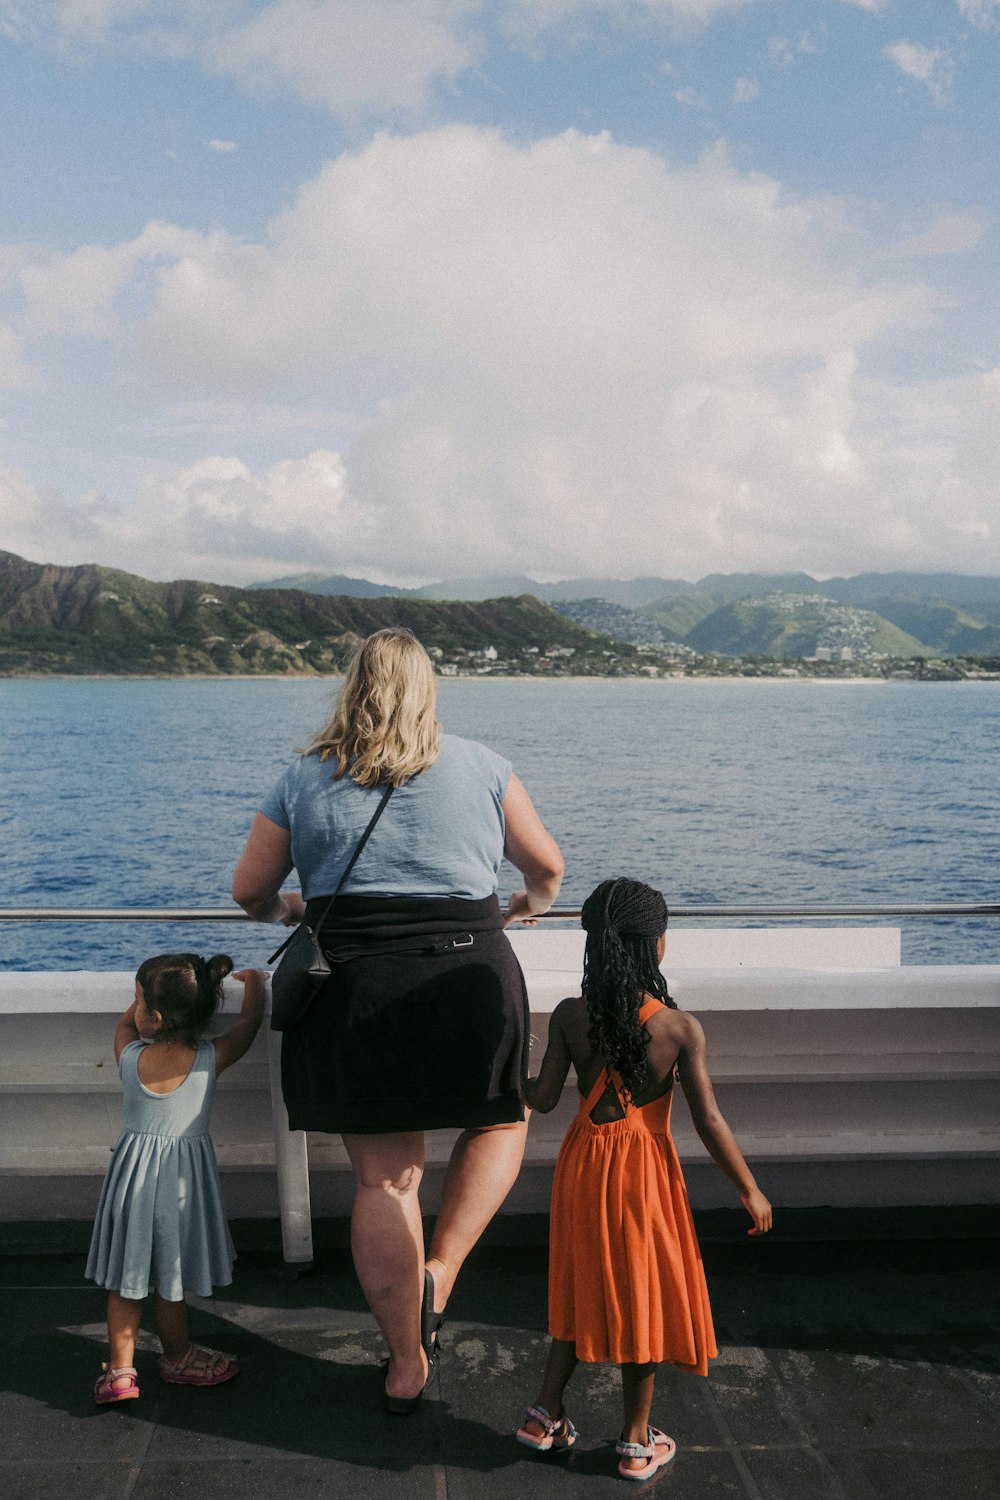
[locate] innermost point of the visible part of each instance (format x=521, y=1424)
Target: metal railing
x=788, y=911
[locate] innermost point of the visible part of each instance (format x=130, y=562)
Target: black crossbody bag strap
x=362, y=841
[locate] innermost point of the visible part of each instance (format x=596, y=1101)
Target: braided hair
x=623, y=920
x=186, y=989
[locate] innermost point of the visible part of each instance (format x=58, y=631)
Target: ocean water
x=140, y=793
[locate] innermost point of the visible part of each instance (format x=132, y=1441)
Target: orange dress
x=626, y=1280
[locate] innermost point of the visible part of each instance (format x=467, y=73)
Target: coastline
x=546, y=680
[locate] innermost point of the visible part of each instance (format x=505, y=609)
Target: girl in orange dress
x=626, y=1281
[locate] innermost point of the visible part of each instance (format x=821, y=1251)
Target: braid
x=623, y=920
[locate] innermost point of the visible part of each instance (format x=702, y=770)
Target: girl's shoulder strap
x=649, y=1008
x=128, y=1060
x=605, y=1076
x=205, y=1057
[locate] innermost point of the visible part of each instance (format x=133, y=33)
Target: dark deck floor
x=861, y=1370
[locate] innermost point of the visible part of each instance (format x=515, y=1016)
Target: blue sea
x=139, y=793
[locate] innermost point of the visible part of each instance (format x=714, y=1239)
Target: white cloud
x=746, y=90
x=14, y=257
x=233, y=419
x=15, y=375
x=41, y=524
x=224, y=148
x=356, y=58
x=350, y=56
x=17, y=23
x=456, y=242
x=689, y=98
x=76, y=293
x=951, y=234
x=931, y=66
x=541, y=15
x=937, y=445
x=228, y=515
x=95, y=16
x=845, y=474
x=561, y=357
x=214, y=519
x=783, y=51
x=980, y=13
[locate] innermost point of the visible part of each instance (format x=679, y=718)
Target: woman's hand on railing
x=519, y=910
x=294, y=908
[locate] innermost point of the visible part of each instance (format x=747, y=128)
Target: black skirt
x=422, y=1025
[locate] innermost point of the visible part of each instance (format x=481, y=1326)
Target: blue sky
x=419, y=288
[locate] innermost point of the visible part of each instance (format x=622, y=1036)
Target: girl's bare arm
x=718, y=1139
x=543, y=1092
x=231, y=1047
x=126, y=1031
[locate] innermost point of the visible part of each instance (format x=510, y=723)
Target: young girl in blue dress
x=160, y=1223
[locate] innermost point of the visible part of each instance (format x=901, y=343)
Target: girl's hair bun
x=218, y=966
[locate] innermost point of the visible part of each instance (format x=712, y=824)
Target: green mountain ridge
x=705, y=619
x=341, y=584
x=790, y=625
x=936, y=613
x=91, y=619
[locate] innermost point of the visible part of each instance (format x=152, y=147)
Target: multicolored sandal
x=658, y=1450
x=104, y=1389
x=558, y=1433
x=198, y=1366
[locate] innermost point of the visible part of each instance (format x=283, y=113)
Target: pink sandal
x=104, y=1389
x=198, y=1366
x=658, y=1451
x=557, y=1433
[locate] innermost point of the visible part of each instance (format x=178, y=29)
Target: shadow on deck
x=857, y=1368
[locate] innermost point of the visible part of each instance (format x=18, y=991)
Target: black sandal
x=430, y=1321
x=402, y=1406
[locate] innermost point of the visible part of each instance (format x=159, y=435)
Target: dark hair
x=623, y=920
x=185, y=989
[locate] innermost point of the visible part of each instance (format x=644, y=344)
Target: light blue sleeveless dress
x=161, y=1222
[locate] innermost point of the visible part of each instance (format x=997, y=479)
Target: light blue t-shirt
x=442, y=833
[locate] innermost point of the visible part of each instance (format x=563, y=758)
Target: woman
x=424, y=1022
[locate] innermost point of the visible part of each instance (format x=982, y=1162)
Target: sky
x=419, y=289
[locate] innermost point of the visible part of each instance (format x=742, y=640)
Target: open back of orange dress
x=626, y=1280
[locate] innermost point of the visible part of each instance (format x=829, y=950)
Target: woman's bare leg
x=483, y=1168
x=387, y=1242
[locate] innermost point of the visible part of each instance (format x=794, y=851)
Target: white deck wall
x=849, y=1080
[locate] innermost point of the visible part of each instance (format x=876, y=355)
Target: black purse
x=304, y=966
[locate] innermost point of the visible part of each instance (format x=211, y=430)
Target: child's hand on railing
x=253, y=982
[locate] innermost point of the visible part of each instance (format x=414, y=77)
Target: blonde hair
x=383, y=726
